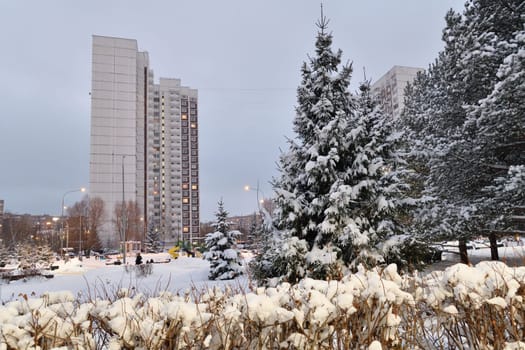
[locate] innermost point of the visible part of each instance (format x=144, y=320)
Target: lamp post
x=62, y=214
x=123, y=219
x=257, y=190
x=262, y=211
x=87, y=211
x=54, y=244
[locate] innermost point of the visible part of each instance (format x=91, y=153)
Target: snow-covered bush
x=462, y=307
x=139, y=271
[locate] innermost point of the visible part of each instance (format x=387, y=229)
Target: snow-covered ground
x=513, y=254
x=95, y=278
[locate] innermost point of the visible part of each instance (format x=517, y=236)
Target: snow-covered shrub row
x=479, y=307
x=462, y=307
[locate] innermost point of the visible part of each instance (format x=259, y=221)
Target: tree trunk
x=463, y=255
x=493, y=246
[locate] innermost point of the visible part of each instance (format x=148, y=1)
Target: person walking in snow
x=138, y=259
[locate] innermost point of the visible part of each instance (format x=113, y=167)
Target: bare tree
x=84, y=222
x=96, y=218
x=17, y=229
x=130, y=218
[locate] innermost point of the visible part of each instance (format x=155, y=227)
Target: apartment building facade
x=389, y=90
x=144, y=143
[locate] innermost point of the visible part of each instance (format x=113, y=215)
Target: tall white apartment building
x=173, y=159
x=390, y=88
x=144, y=142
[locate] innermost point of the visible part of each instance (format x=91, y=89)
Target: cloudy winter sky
x=242, y=56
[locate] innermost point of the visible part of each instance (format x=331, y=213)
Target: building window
x=185, y=200
x=186, y=229
x=193, y=125
x=193, y=187
x=185, y=186
x=184, y=117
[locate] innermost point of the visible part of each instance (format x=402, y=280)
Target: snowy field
x=91, y=277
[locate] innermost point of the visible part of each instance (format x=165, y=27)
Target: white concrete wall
x=113, y=126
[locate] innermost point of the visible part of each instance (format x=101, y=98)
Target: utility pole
x=123, y=212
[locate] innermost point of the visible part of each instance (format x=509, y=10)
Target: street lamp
x=82, y=189
x=257, y=190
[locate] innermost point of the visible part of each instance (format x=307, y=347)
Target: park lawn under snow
x=94, y=277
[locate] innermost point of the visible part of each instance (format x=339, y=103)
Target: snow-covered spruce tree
x=280, y=255
x=376, y=190
x=153, y=243
x=336, y=193
x=225, y=262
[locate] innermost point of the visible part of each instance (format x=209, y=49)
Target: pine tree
x=153, y=242
x=505, y=196
x=499, y=121
x=440, y=109
x=225, y=262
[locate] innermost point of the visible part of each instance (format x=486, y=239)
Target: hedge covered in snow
x=463, y=307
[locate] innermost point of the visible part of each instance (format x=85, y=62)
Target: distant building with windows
x=389, y=90
x=144, y=142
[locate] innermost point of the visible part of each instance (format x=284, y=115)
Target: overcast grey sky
x=243, y=57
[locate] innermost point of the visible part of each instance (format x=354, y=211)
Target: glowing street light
x=82, y=189
x=257, y=190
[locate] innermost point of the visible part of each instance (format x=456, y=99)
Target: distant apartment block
x=144, y=142
x=390, y=88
